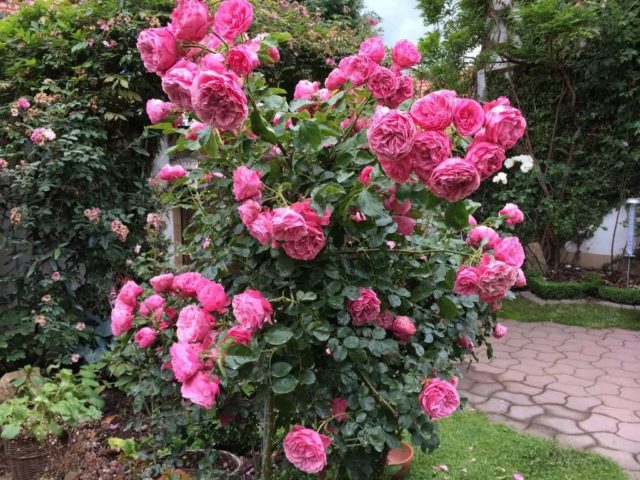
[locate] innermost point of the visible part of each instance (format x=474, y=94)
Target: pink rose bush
x=329, y=267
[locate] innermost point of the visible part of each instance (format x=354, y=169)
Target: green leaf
x=280, y=369
x=260, y=127
x=239, y=355
x=278, y=335
x=351, y=292
x=284, y=385
x=448, y=309
x=370, y=204
x=456, y=215
x=351, y=342
x=9, y=432
x=308, y=377
x=306, y=296
x=310, y=135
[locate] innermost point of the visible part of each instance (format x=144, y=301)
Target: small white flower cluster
x=526, y=164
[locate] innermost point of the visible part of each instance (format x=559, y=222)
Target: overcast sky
x=400, y=19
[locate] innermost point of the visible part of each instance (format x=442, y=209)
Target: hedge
x=628, y=296
x=563, y=290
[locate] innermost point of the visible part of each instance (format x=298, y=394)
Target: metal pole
x=631, y=235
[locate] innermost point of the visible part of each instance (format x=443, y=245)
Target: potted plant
x=44, y=407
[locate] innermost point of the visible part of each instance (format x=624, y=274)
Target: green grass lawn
x=583, y=315
x=475, y=449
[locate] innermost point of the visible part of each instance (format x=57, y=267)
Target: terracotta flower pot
x=399, y=460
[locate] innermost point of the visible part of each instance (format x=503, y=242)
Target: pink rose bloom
x=212, y=297
x=500, y=101
x=185, y=360
x=241, y=335
x=308, y=247
x=338, y=409
x=468, y=116
x=454, y=179
x=251, y=309
x=365, y=309
x=145, y=337
x=247, y=184
x=510, y=251
x=439, y=398
x=192, y=134
x=213, y=62
x=430, y=149
x=466, y=281
x=398, y=170
x=152, y=302
x=41, y=135
x=385, y=320
x=406, y=225
x=335, y=80
x=435, y=110
x=162, y=283
x=472, y=221
x=129, y=293
x=487, y=157
x=190, y=20
x=56, y=276
x=358, y=217
x=392, y=204
x=187, y=284
x=499, y=331
x=357, y=68
x=23, y=103
x=403, y=328
x=249, y=211
x=365, y=175
x=383, y=83
x=274, y=54
x=158, y=49
x=242, y=59
x=479, y=234
x=261, y=228
x=201, y=389
x=193, y=324
x=495, y=278
x=306, y=449
x=373, y=47
x=522, y=279
x=233, y=18
x=157, y=110
x=504, y=126
x=513, y=215
x=171, y=173
x=402, y=93
x=121, y=319
x=306, y=90
x=218, y=99
x=310, y=215
x=288, y=225
x=391, y=134
x=177, y=82
x=405, y=54
x=324, y=94
x=466, y=343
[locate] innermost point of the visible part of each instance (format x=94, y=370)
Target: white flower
x=527, y=164
x=509, y=162
x=500, y=178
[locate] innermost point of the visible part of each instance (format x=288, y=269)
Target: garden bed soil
x=570, y=273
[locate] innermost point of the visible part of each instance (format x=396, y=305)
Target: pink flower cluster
x=93, y=215
x=203, y=80
x=41, y=135
x=365, y=310
x=120, y=229
x=500, y=267
x=172, y=304
x=296, y=228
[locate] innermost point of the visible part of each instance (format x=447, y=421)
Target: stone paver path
x=577, y=385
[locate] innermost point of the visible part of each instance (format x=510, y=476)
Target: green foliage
x=86, y=83
x=562, y=290
x=628, y=296
x=575, y=76
x=588, y=315
x=475, y=448
x=45, y=406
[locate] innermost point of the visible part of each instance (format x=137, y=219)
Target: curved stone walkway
x=577, y=385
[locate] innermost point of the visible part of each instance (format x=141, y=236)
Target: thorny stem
x=376, y=394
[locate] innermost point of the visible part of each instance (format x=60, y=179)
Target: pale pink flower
x=306, y=449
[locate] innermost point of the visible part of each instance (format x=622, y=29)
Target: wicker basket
x=27, y=459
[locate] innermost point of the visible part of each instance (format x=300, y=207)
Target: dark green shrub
x=562, y=290
x=628, y=296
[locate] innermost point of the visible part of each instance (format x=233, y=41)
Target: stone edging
x=582, y=301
